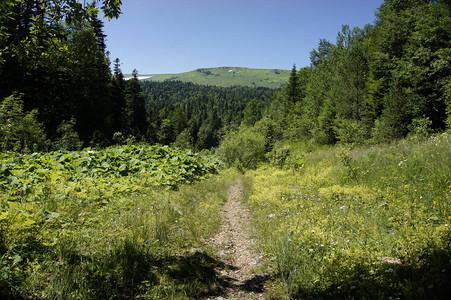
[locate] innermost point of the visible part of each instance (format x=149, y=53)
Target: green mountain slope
x=228, y=76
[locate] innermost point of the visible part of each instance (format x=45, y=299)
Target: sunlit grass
x=369, y=222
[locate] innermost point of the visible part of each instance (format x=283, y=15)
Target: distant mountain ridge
x=226, y=76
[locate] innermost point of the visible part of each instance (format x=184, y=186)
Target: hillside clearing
x=228, y=76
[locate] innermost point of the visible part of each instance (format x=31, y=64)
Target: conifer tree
x=292, y=87
x=118, y=97
x=135, y=117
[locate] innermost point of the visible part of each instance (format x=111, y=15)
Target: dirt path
x=235, y=248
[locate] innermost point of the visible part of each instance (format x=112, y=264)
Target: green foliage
x=279, y=155
x=68, y=137
x=151, y=165
x=54, y=54
x=99, y=224
x=373, y=82
x=361, y=223
x=411, y=40
x=271, y=131
x=351, y=131
x=135, y=118
x=252, y=113
x=19, y=131
x=118, y=138
x=293, y=88
x=36, y=17
x=420, y=129
x=165, y=133
x=184, y=140
x=448, y=105
x=243, y=149
x=206, y=112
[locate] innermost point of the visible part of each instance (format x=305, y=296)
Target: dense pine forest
x=116, y=188
x=195, y=116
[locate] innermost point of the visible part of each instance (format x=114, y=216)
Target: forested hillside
x=196, y=116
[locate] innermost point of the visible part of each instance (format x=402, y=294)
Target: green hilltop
x=228, y=76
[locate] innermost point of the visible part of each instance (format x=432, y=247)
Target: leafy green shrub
x=448, y=105
x=350, y=131
x=270, y=130
x=101, y=224
x=279, y=155
x=68, y=137
x=19, y=131
x=244, y=149
x=252, y=113
x=184, y=140
x=420, y=128
x=118, y=138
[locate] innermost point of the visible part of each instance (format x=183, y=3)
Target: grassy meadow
x=357, y=223
x=229, y=76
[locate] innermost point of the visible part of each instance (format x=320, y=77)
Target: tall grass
x=149, y=244
x=368, y=222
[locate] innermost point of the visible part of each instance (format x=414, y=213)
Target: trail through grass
x=346, y=223
x=236, y=247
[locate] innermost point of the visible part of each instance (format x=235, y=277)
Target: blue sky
x=174, y=36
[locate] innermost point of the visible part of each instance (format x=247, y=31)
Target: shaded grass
x=148, y=244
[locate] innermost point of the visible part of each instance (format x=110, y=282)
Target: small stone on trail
x=196, y=250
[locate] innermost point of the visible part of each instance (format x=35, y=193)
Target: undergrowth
x=84, y=234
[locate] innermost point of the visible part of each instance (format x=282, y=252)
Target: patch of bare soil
x=235, y=247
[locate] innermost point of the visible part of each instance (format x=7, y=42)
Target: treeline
x=196, y=116
x=55, y=79
x=384, y=82
x=59, y=92
x=375, y=84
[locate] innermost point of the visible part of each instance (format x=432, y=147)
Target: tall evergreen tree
x=135, y=117
x=118, y=97
x=293, y=94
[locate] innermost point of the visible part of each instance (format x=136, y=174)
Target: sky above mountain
x=173, y=36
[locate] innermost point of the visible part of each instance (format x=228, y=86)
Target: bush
x=279, y=155
x=184, y=140
x=351, y=131
x=244, y=149
x=69, y=139
x=118, y=138
x=420, y=128
x=19, y=131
